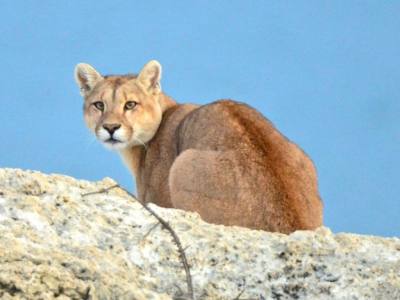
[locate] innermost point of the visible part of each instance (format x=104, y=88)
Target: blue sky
x=327, y=73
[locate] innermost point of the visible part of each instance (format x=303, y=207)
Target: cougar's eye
x=130, y=105
x=99, y=105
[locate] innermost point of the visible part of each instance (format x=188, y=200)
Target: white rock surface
x=56, y=243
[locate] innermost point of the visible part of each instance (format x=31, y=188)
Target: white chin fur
x=103, y=136
x=139, y=139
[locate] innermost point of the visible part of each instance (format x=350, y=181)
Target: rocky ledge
x=59, y=241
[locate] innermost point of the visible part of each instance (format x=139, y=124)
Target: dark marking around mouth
x=113, y=141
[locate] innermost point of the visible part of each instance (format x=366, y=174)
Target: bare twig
x=150, y=230
x=242, y=291
x=166, y=226
x=101, y=191
x=176, y=241
x=240, y=294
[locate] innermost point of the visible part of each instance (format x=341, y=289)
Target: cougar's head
x=122, y=111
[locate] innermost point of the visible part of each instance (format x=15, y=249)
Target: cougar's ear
x=150, y=76
x=86, y=77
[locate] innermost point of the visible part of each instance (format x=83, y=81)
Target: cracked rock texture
x=56, y=243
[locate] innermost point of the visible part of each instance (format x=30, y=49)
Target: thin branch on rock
x=176, y=241
x=102, y=191
x=150, y=230
x=166, y=226
x=240, y=294
x=242, y=291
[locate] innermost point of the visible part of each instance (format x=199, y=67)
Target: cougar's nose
x=111, y=128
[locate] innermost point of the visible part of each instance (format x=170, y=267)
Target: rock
x=56, y=242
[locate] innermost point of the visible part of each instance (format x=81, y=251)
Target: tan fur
x=223, y=160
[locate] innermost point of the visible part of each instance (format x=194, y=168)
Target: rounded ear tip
x=154, y=62
x=81, y=66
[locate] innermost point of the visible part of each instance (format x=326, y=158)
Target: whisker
x=89, y=140
x=141, y=142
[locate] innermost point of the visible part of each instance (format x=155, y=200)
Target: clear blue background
x=327, y=73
